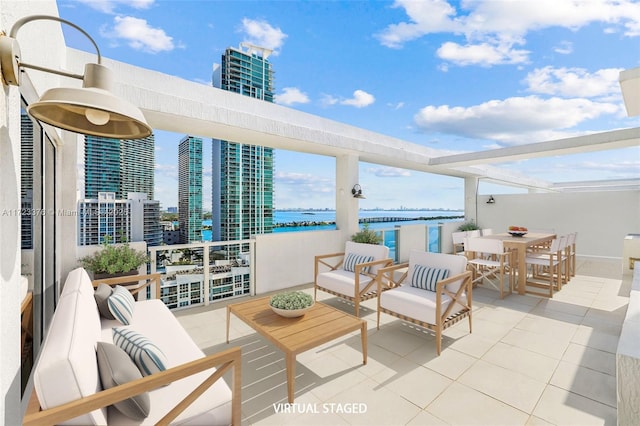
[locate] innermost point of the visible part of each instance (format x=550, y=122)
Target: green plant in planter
x=468, y=226
x=114, y=259
x=367, y=236
x=291, y=300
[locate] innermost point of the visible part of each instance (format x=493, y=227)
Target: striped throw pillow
x=352, y=259
x=425, y=277
x=147, y=356
x=121, y=304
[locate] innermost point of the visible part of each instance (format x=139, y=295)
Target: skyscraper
x=190, y=189
x=113, y=169
x=242, y=184
x=120, y=166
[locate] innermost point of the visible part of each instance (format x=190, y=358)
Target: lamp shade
x=92, y=109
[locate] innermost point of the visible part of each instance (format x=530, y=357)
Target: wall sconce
x=90, y=110
x=357, y=191
x=491, y=200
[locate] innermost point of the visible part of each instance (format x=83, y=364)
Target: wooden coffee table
x=319, y=325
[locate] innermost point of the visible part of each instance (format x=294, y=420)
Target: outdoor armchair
x=351, y=274
x=421, y=292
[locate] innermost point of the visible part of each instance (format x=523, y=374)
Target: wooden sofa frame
x=222, y=361
x=444, y=320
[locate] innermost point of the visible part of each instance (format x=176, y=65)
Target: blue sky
x=461, y=76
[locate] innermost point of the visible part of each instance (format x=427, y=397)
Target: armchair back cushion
x=376, y=251
x=454, y=264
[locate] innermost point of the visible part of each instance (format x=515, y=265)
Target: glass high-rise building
x=118, y=168
x=242, y=185
x=190, y=189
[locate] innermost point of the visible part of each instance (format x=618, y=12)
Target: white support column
x=346, y=206
x=470, y=199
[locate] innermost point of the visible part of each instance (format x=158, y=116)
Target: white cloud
x=290, y=96
x=262, y=34
x=396, y=106
x=483, y=54
x=574, y=82
x=564, y=48
x=514, y=120
x=388, y=172
x=360, y=99
x=327, y=100
x=140, y=35
x=491, y=28
x=109, y=6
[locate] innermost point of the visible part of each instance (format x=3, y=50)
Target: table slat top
x=320, y=324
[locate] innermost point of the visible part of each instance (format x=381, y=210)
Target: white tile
x=561, y=407
x=595, y=359
x=508, y=386
x=462, y=405
x=583, y=381
x=531, y=364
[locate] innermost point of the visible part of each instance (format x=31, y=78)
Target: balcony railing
x=201, y=273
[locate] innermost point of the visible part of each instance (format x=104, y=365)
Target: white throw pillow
x=426, y=278
x=352, y=259
x=121, y=304
x=147, y=356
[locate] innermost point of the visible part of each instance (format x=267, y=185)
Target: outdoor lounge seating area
x=529, y=360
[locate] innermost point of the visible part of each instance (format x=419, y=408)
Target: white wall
x=286, y=259
x=602, y=219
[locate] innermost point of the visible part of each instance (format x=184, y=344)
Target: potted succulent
x=114, y=260
x=468, y=226
x=291, y=304
x=367, y=236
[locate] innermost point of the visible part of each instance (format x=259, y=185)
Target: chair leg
x=357, y=303
x=438, y=341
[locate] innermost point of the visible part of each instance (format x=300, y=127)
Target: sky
x=460, y=76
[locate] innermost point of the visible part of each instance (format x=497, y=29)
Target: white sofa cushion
x=155, y=321
x=416, y=303
x=67, y=368
x=341, y=281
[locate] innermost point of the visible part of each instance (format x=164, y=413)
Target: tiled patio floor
x=529, y=361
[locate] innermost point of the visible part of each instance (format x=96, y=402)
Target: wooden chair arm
x=320, y=260
x=133, y=288
x=466, y=286
x=388, y=273
x=227, y=359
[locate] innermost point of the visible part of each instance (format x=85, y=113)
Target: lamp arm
x=20, y=22
x=52, y=71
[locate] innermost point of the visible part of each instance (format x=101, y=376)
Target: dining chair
x=553, y=261
x=489, y=262
x=571, y=253
x=458, y=241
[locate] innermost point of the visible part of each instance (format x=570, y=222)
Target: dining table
x=520, y=244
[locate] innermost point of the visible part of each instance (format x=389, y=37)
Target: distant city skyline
x=450, y=75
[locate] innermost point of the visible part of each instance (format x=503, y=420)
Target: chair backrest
x=558, y=243
x=454, y=263
x=474, y=233
x=484, y=245
x=378, y=251
x=458, y=237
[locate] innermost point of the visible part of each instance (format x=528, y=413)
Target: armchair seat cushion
x=341, y=281
x=416, y=303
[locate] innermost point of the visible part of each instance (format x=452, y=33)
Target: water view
x=314, y=220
